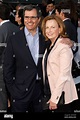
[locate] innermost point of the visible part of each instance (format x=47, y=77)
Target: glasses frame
x=31, y=17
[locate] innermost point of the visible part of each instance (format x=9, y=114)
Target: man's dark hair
x=64, y=8
x=4, y=11
x=51, y=2
x=31, y=7
x=20, y=14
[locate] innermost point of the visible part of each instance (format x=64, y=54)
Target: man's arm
x=68, y=42
x=72, y=44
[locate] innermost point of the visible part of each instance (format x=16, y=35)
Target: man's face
x=57, y=13
x=50, y=7
x=31, y=20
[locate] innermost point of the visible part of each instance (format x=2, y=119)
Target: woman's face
x=17, y=18
x=52, y=29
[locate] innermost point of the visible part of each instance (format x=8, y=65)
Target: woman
x=19, y=18
x=57, y=71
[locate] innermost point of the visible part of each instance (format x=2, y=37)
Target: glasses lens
x=31, y=17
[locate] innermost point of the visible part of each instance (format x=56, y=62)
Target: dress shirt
x=33, y=43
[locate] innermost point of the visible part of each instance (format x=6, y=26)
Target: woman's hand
x=52, y=105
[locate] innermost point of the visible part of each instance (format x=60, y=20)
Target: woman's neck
x=54, y=40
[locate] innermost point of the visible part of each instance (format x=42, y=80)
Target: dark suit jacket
x=72, y=32
x=20, y=69
x=6, y=30
x=53, y=12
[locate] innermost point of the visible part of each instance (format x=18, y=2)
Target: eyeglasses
x=31, y=17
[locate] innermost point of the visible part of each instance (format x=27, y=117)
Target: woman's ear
x=59, y=30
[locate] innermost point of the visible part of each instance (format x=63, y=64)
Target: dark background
x=32, y=1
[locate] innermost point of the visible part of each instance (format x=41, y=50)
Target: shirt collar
x=66, y=19
x=27, y=32
x=4, y=21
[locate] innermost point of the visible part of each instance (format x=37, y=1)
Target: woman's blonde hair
x=59, y=22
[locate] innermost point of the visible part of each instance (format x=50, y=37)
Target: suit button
x=26, y=44
x=26, y=67
x=40, y=100
x=0, y=89
x=1, y=66
x=39, y=33
x=52, y=111
x=13, y=100
x=13, y=55
x=13, y=78
x=26, y=89
x=13, y=33
x=26, y=111
x=78, y=89
x=45, y=96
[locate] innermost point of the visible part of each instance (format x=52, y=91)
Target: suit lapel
x=26, y=48
x=56, y=44
x=41, y=47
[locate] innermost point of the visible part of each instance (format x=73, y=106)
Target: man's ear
x=62, y=15
x=39, y=19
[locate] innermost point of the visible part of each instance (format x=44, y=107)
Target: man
x=6, y=30
x=22, y=67
x=51, y=7
x=64, y=12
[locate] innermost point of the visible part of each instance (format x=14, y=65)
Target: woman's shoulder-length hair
x=59, y=22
